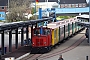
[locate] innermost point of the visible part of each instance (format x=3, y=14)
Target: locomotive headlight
x=33, y=43
x=44, y=42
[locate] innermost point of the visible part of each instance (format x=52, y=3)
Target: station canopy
x=85, y=24
x=13, y=25
x=83, y=16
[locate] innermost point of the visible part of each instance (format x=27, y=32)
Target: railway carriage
x=44, y=38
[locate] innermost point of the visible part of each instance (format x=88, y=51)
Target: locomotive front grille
x=39, y=42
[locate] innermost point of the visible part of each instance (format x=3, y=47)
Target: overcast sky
x=87, y=1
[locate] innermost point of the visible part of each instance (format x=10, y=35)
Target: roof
x=83, y=16
x=72, y=1
x=11, y=25
x=53, y=25
x=3, y=2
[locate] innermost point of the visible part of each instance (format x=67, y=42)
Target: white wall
x=44, y=5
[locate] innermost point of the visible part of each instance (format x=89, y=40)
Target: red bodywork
x=41, y=40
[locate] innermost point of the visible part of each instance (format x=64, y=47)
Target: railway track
x=64, y=50
x=40, y=57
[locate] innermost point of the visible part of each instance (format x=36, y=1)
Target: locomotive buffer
x=85, y=24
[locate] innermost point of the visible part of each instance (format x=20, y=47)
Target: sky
x=87, y=1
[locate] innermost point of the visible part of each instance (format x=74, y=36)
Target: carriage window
x=55, y=33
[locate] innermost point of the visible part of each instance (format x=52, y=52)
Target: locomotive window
x=37, y=32
x=46, y=31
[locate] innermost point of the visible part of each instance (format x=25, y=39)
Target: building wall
x=44, y=5
x=73, y=5
x=3, y=9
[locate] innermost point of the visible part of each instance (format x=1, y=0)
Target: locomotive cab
x=41, y=39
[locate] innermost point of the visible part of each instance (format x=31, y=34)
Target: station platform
x=78, y=53
x=17, y=53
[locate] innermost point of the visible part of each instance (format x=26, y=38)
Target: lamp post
x=35, y=9
x=47, y=3
x=7, y=14
x=8, y=8
x=8, y=5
